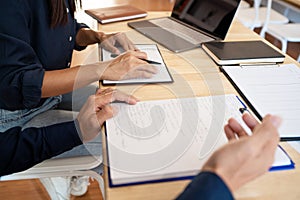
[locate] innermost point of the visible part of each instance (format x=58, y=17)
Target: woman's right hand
x=128, y=66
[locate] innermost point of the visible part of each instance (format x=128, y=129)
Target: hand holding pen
x=129, y=65
x=113, y=55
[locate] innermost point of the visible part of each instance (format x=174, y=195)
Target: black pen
x=113, y=55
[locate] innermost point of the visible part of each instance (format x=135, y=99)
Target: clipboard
x=263, y=95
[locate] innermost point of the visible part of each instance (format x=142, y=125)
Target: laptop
x=191, y=23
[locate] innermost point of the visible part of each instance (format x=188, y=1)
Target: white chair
x=289, y=32
x=256, y=16
x=285, y=33
x=61, y=167
x=243, y=5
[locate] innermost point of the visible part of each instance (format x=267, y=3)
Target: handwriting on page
x=166, y=129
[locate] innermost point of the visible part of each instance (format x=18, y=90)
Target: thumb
x=104, y=114
x=110, y=47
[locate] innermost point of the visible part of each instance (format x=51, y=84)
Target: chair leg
x=284, y=45
x=93, y=175
x=263, y=32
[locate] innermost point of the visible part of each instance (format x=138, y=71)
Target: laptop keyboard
x=180, y=30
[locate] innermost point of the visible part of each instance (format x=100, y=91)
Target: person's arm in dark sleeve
x=21, y=74
x=208, y=186
x=22, y=149
x=78, y=27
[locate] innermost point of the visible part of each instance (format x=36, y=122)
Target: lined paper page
x=161, y=139
x=274, y=90
x=153, y=54
x=165, y=138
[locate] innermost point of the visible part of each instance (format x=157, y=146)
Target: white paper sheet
x=274, y=90
x=163, y=75
x=162, y=139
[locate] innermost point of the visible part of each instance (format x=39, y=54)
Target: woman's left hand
x=110, y=42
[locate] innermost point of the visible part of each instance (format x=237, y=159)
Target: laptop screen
x=211, y=16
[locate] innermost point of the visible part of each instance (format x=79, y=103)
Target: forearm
x=22, y=149
x=206, y=185
x=59, y=82
x=87, y=37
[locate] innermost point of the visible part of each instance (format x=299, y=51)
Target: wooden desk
x=195, y=74
x=294, y=2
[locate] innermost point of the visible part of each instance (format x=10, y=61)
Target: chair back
x=267, y=19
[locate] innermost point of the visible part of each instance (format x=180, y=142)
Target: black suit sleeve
x=208, y=186
x=22, y=149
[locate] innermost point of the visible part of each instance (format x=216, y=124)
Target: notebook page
x=274, y=90
x=153, y=54
x=162, y=139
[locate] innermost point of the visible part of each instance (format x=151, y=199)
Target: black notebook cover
x=242, y=52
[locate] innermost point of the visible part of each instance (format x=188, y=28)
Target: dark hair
x=58, y=11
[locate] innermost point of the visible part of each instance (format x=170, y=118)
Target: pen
x=113, y=55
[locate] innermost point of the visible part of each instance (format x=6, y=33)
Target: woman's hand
x=97, y=110
x=110, y=42
x=127, y=66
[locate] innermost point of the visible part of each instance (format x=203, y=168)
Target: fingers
x=117, y=95
x=105, y=113
x=122, y=39
x=110, y=40
x=250, y=121
x=130, y=65
x=230, y=134
x=138, y=54
x=142, y=71
x=265, y=135
x=275, y=120
x=104, y=97
x=110, y=47
x=233, y=129
x=100, y=91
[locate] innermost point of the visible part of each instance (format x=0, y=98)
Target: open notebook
x=153, y=53
x=169, y=139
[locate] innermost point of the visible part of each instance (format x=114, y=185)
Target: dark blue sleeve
x=22, y=149
x=21, y=73
x=208, y=186
x=78, y=27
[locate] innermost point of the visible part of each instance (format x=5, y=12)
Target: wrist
x=100, y=69
x=220, y=173
x=99, y=37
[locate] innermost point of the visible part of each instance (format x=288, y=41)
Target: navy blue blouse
x=28, y=47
